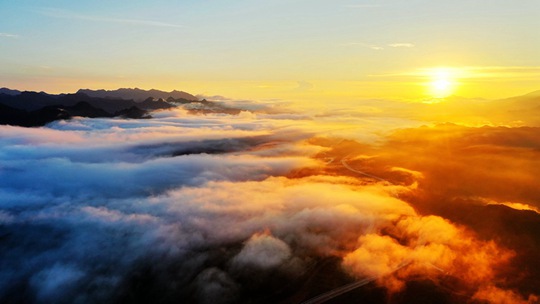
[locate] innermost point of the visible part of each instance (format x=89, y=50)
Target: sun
x=442, y=82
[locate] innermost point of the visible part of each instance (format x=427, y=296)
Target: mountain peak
x=10, y=92
x=137, y=94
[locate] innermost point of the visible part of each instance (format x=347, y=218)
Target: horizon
x=533, y=92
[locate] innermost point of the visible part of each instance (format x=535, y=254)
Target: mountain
x=533, y=94
x=525, y=108
x=84, y=109
x=32, y=101
x=29, y=101
x=16, y=117
x=31, y=109
x=47, y=114
x=12, y=116
x=151, y=104
x=9, y=91
x=524, y=102
x=134, y=113
x=109, y=105
x=137, y=94
x=37, y=109
x=517, y=110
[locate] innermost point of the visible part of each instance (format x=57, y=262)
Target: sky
x=363, y=152
x=289, y=50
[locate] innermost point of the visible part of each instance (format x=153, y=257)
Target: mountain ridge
x=10, y=92
x=136, y=94
x=35, y=118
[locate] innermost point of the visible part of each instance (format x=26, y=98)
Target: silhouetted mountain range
x=9, y=91
x=137, y=94
x=47, y=114
x=36, y=109
x=31, y=101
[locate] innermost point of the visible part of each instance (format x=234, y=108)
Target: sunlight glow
x=443, y=82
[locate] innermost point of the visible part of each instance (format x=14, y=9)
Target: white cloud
x=376, y=47
x=264, y=251
x=8, y=35
x=401, y=45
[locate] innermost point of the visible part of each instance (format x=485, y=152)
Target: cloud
x=66, y=14
x=8, y=35
x=487, y=176
x=232, y=209
x=376, y=47
x=216, y=286
x=401, y=45
x=424, y=242
x=310, y=217
x=263, y=251
x=366, y=45
x=53, y=283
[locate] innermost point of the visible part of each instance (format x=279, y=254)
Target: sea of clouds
x=212, y=209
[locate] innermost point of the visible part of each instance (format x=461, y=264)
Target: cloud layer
x=251, y=208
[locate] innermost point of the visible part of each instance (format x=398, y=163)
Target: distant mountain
x=517, y=110
x=37, y=109
x=137, y=95
x=16, y=117
x=9, y=91
x=134, y=113
x=45, y=115
x=31, y=109
x=524, y=109
x=32, y=101
x=533, y=94
x=524, y=102
x=151, y=104
x=28, y=101
x=112, y=105
x=12, y=116
x=84, y=109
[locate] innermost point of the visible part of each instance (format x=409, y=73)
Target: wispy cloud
x=65, y=14
x=8, y=35
x=375, y=47
x=401, y=45
x=370, y=46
